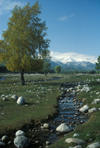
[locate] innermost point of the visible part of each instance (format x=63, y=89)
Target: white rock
x=4, y=99
x=47, y=142
x=84, y=108
x=98, y=80
x=21, y=100
x=62, y=128
x=20, y=133
x=77, y=146
x=92, y=110
x=78, y=90
x=2, y=95
x=15, y=97
x=76, y=135
x=46, y=125
x=94, y=145
x=74, y=140
x=21, y=142
x=96, y=101
x=85, y=88
x=4, y=138
x=97, y=93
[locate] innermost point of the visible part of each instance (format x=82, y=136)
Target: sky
x=73, y=26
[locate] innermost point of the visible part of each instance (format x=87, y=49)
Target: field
x=41, y=94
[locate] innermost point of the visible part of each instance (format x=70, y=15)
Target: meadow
x=41, y=94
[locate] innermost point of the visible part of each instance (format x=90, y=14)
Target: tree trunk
x=22, y=78
x=45, y=73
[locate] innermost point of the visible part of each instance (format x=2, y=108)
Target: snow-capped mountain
x=73, y=61
x=74, y=65
x=71, y=57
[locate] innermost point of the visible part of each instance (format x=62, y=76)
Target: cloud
x=63, y=18
x=71, y=15
x=71, y=56
x=7, y=5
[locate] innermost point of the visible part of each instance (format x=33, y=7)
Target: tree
x=58, y=69
x=92, y=72
x=24, y=40
x=97, y=67
x=46, y=58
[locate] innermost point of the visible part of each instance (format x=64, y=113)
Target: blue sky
x=73, y=25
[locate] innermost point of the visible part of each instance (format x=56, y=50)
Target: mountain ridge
x=71, y=64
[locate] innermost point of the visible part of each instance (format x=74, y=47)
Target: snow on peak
x=71, y=57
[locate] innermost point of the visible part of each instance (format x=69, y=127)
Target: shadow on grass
x=94, y=83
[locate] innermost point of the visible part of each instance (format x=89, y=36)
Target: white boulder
x=94, y=145
x=84, y=108
x=85, y=88
x=96, y=101
x=92, y=110
x=4, y=99
x=4, y=138
x=62, y=128
x=21, y=141
x=74, y=140
x=15, y=97
x=20, y=133
x=2, y=95
x=46, y=125
x=21, y=100
x=77, y=146
x=76, y=135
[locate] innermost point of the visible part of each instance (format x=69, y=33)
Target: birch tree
x=24, y=40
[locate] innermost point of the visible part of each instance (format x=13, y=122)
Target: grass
x=41, y=99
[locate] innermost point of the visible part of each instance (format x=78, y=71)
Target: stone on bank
x=84, y=109
x=62, y=128
x=94, y=145
x=74, y=140
x=92, y=110
x=20, y=133
x=21, y=142
x=20, y=100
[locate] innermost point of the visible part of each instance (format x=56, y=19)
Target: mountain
x=71, y=64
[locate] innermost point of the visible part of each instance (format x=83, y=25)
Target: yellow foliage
x=23, y=40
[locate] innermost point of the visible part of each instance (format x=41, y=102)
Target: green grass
x=15, y=116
